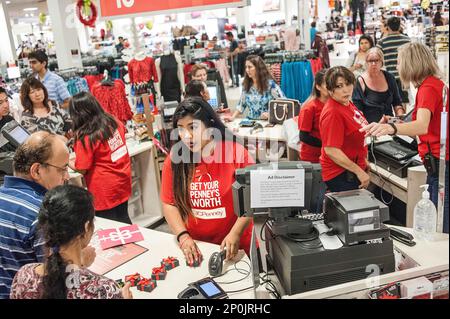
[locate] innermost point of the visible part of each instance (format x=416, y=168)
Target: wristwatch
x=394, y=127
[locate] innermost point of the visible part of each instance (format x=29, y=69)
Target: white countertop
x=275, y=133
x=162, y=245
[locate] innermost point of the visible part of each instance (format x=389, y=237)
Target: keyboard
x=395, y=151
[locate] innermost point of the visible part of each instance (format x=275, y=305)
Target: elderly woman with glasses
x=376, y=93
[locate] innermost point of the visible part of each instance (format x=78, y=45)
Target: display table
x=405, y=189
x=161, y=245
x=144, y=206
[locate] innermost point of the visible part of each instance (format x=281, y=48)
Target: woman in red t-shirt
x=197, y=182
x=308, y=120
x=102, y=157
x=417, y=65
x=344, y=154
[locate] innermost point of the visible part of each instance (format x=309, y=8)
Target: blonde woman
x=417, y=65
x=376, y=93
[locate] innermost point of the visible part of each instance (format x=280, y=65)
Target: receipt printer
x=356, y=216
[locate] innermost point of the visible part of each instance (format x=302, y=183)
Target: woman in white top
x=357, y=60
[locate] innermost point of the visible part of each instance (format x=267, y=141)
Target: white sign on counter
x=277, y=188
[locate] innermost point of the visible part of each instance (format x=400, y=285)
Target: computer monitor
x=285, y=185
x=214, y=97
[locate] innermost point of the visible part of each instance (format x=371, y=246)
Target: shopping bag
x=283, y=109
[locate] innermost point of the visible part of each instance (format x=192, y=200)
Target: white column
x=7, y=49
x=304, y=23
x=62, y=14
x=243, y=18
x=323, y=11
x=291, y=9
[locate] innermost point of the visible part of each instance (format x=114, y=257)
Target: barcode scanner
x=215, y=264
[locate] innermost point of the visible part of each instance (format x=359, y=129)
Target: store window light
x=30, y=9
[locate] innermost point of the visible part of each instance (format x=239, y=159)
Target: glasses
x=62, y=170
x=372, y=61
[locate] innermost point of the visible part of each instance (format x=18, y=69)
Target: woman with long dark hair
x=39, y=112
x=101, y=156
x=197, y=178
x=66, y=220
x=259, y=90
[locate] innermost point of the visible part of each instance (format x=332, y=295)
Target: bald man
x=40, y=164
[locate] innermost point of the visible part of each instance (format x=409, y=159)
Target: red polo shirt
x=429, y=96
x=211, y=194
x=339, y=128
x=309, y=121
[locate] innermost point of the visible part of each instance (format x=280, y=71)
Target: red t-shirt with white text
x=429, y=96
x=339, y=128
x=309, y=121
x=211, y=194
x=108, y=167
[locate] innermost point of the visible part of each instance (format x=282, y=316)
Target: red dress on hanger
x=113, y=100
x=142, y=71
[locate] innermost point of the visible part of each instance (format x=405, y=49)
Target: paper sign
x=107, y=260
x=119, y=236
x=277, y=188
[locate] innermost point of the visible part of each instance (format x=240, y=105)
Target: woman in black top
x=376, y=93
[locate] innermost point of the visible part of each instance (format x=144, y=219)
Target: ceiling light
x=27, y=15
x=30, y=9
x=8, y=2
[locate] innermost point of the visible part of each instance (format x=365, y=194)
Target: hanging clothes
x=297, y=80
x=142, y=71
x=113, y=100
x=76, y=85
x=92, y=80
x=316, y=65
x=221, y=66
x=275, y=71
x=321, y=51
x=170, y=84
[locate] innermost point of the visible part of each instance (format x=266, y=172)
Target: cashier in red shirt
x=102, y=157
x=344, y=154
x=308, y=120
x=417, y=65
x=197, y=182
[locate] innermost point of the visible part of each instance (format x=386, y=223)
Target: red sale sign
x=111, y=8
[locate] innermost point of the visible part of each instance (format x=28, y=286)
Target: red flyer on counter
x=107, y=260
x=119, y=236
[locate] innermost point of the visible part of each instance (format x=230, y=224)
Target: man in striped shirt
x=40, y=164
x=389, y=45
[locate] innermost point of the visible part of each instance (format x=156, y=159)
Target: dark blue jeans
x=341, y=184
x=433, y=188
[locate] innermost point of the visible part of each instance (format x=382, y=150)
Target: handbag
x=283, y=109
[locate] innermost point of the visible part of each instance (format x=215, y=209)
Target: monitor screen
x=214, y=100
x=19, y=135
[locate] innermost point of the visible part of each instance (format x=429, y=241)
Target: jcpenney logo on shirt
x=117, y=146
x=218, y=213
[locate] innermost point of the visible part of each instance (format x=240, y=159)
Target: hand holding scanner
x=215, y=264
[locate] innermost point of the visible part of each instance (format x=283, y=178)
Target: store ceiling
x=15, y=8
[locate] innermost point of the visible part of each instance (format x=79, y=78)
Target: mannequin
x=168, y=73
x=142, y=70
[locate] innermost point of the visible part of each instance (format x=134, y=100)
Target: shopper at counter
x=309, y=120
x=259, y=90
x=376, y=93
x=40, y=164
x=66, y=220
x=197, y=89
x=357, y=60
x=197, y=179
x=417, y=65
x=102, y=157
x=199, y=72
x=344, y=155
x=56, y=87
x=40, y=113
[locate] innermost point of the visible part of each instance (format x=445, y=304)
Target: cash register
x=295, y=240
x=12, y=135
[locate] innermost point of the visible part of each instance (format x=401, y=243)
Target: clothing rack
x=289, y=56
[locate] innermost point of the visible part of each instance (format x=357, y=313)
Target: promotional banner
x=112, y=8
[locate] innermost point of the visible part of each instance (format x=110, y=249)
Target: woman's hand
x=88, y=256
x=231, y=243
x=265, y=116
x=377, y=129
x=357, y=66
x=190, y=249
x=364, y=178
x=126, y=292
